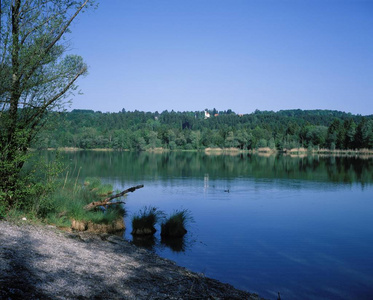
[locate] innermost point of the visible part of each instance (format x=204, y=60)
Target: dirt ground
x=42, y=262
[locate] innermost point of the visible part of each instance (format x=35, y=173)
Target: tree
x=243, y=139
x=139, y=143
x=333, y=134
x=316, y=135
x=230, y=140
x=350, y=130
x=364, y=134
x=35, y=74
x=195, y=137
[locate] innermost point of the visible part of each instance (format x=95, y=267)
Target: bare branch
x=66, y=26
x=44, y=107
x=55, y=40
x=106, y=201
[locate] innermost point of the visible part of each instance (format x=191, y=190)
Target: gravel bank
x=41, y=262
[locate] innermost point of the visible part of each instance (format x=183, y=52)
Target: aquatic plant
x=143, y=223
x=174, y=225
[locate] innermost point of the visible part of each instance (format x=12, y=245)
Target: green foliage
x=174, y=225
x=139, y=131
x=3, y=206
x=36, y=77
x=33, y=186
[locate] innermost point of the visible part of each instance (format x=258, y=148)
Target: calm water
x=299, y=226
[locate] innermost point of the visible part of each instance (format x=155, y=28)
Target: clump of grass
x=143, y=223
x=174, y=225
x=59, y=220
x=112, y=213
x=92, y=182
x=95, y=185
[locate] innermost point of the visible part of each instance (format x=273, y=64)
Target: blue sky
x=187, y=55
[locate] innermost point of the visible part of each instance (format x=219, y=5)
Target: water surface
x=299, y=226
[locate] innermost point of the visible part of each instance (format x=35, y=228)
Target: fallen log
x=106, y=201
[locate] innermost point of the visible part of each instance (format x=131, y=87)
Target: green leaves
x=35, y=75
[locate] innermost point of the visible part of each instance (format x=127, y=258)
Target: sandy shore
x=42, y=262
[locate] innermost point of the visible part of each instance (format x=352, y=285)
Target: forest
x=196, y=130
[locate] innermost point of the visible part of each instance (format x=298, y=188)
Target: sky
x=189, y=55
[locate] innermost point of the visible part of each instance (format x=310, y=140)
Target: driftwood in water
x=106, y=201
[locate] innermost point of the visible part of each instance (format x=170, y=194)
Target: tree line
x=139, y=131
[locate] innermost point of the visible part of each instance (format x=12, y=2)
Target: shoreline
x=294, y=152
x=41, y=261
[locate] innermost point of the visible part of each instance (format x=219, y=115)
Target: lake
x=301, y=226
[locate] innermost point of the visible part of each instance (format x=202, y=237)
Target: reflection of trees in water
x=349, y=169
x=141, y=166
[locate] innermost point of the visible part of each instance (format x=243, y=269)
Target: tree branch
x=44, y=107
x=104, y=202
x=55, y=40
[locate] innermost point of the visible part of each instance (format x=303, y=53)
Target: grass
x=145, y=220
x=45, y=195
x=95, y=185
x=68, y=200
x=174, y=225
x=17, y=216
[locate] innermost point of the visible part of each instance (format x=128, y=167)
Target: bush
x=2, y=210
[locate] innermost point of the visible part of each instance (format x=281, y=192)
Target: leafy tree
x=230, y=140
x=243, y=139
x=333, y=134
x=180, y=140
x=350, y=131
x=262, y=143
x=364, y=134
x=138, y=141
x=153, y=140
x=271, y=143
x=195, y=137
x=316, y=135
x=368, y=134
x=35, y=74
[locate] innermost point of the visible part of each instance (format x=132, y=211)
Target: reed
x=174, y=225
x=143, y=223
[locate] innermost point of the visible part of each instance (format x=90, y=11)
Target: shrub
x=3, y=205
